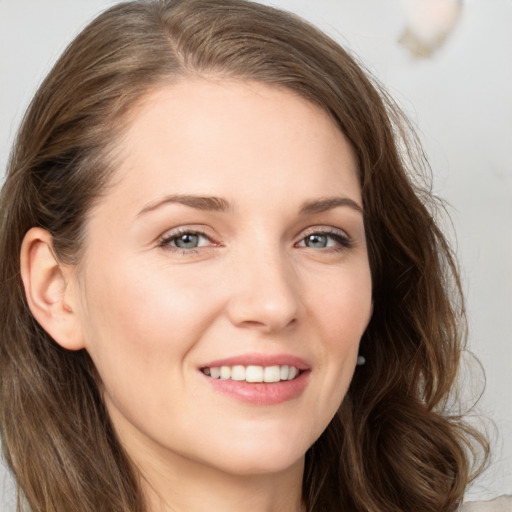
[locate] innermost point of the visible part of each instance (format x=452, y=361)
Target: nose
x=264, y=292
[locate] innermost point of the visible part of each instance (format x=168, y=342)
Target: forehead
x=230, y=138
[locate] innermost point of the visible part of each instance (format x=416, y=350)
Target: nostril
x=250, y=315
x=263, y=294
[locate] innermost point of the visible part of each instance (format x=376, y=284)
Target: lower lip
x=261, y=393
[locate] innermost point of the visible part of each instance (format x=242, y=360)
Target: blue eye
x=317, y=241
x=325, y=240
x=185, y=240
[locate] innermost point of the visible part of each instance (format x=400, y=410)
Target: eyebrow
x=207, y=203
x=328, y=203
x=218, y=204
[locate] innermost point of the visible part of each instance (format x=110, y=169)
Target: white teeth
x=225, y=372
x=214, y=372
x=238, y=372
x=253, y=373
x=272, y=374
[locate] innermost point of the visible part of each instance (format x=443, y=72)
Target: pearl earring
x=361, y=360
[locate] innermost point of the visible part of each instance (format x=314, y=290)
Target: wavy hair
x=393, y=445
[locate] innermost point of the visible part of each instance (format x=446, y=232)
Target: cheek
x=345, y=307
x=342, y=314
x=127, y=301
x=139, y=332
x=136, y=322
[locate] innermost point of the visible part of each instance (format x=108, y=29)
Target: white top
x=501, y=504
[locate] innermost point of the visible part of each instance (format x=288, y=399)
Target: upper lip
x=255, y=359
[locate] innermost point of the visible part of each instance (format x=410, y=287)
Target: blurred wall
x=461, y=101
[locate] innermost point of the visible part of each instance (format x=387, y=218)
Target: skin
x=151, y=314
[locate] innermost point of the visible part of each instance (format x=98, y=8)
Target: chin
x=261, y=465
x=263, y=456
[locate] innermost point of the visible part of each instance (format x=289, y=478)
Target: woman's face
x=231, y=243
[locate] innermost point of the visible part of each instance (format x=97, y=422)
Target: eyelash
x=167, y=239
x=344, y=242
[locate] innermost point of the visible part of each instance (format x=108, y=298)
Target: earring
x=361, y=360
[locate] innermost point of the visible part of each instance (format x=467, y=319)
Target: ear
x=50, y=288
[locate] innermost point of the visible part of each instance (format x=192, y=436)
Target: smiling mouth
x=253, y=373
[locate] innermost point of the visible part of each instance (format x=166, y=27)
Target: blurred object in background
x=428, y=25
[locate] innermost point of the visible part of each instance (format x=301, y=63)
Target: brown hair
x=392, y=446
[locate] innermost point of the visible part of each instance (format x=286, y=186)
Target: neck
x=186, y=481
x=189, y=487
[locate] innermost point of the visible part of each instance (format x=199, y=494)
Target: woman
x=215, y=226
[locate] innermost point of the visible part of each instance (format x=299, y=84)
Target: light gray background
x=461, y=101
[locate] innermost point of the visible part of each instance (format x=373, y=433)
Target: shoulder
x=501, y=504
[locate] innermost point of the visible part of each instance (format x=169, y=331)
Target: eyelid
x=323, y=229
x=339, y=235
x=168, y=236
